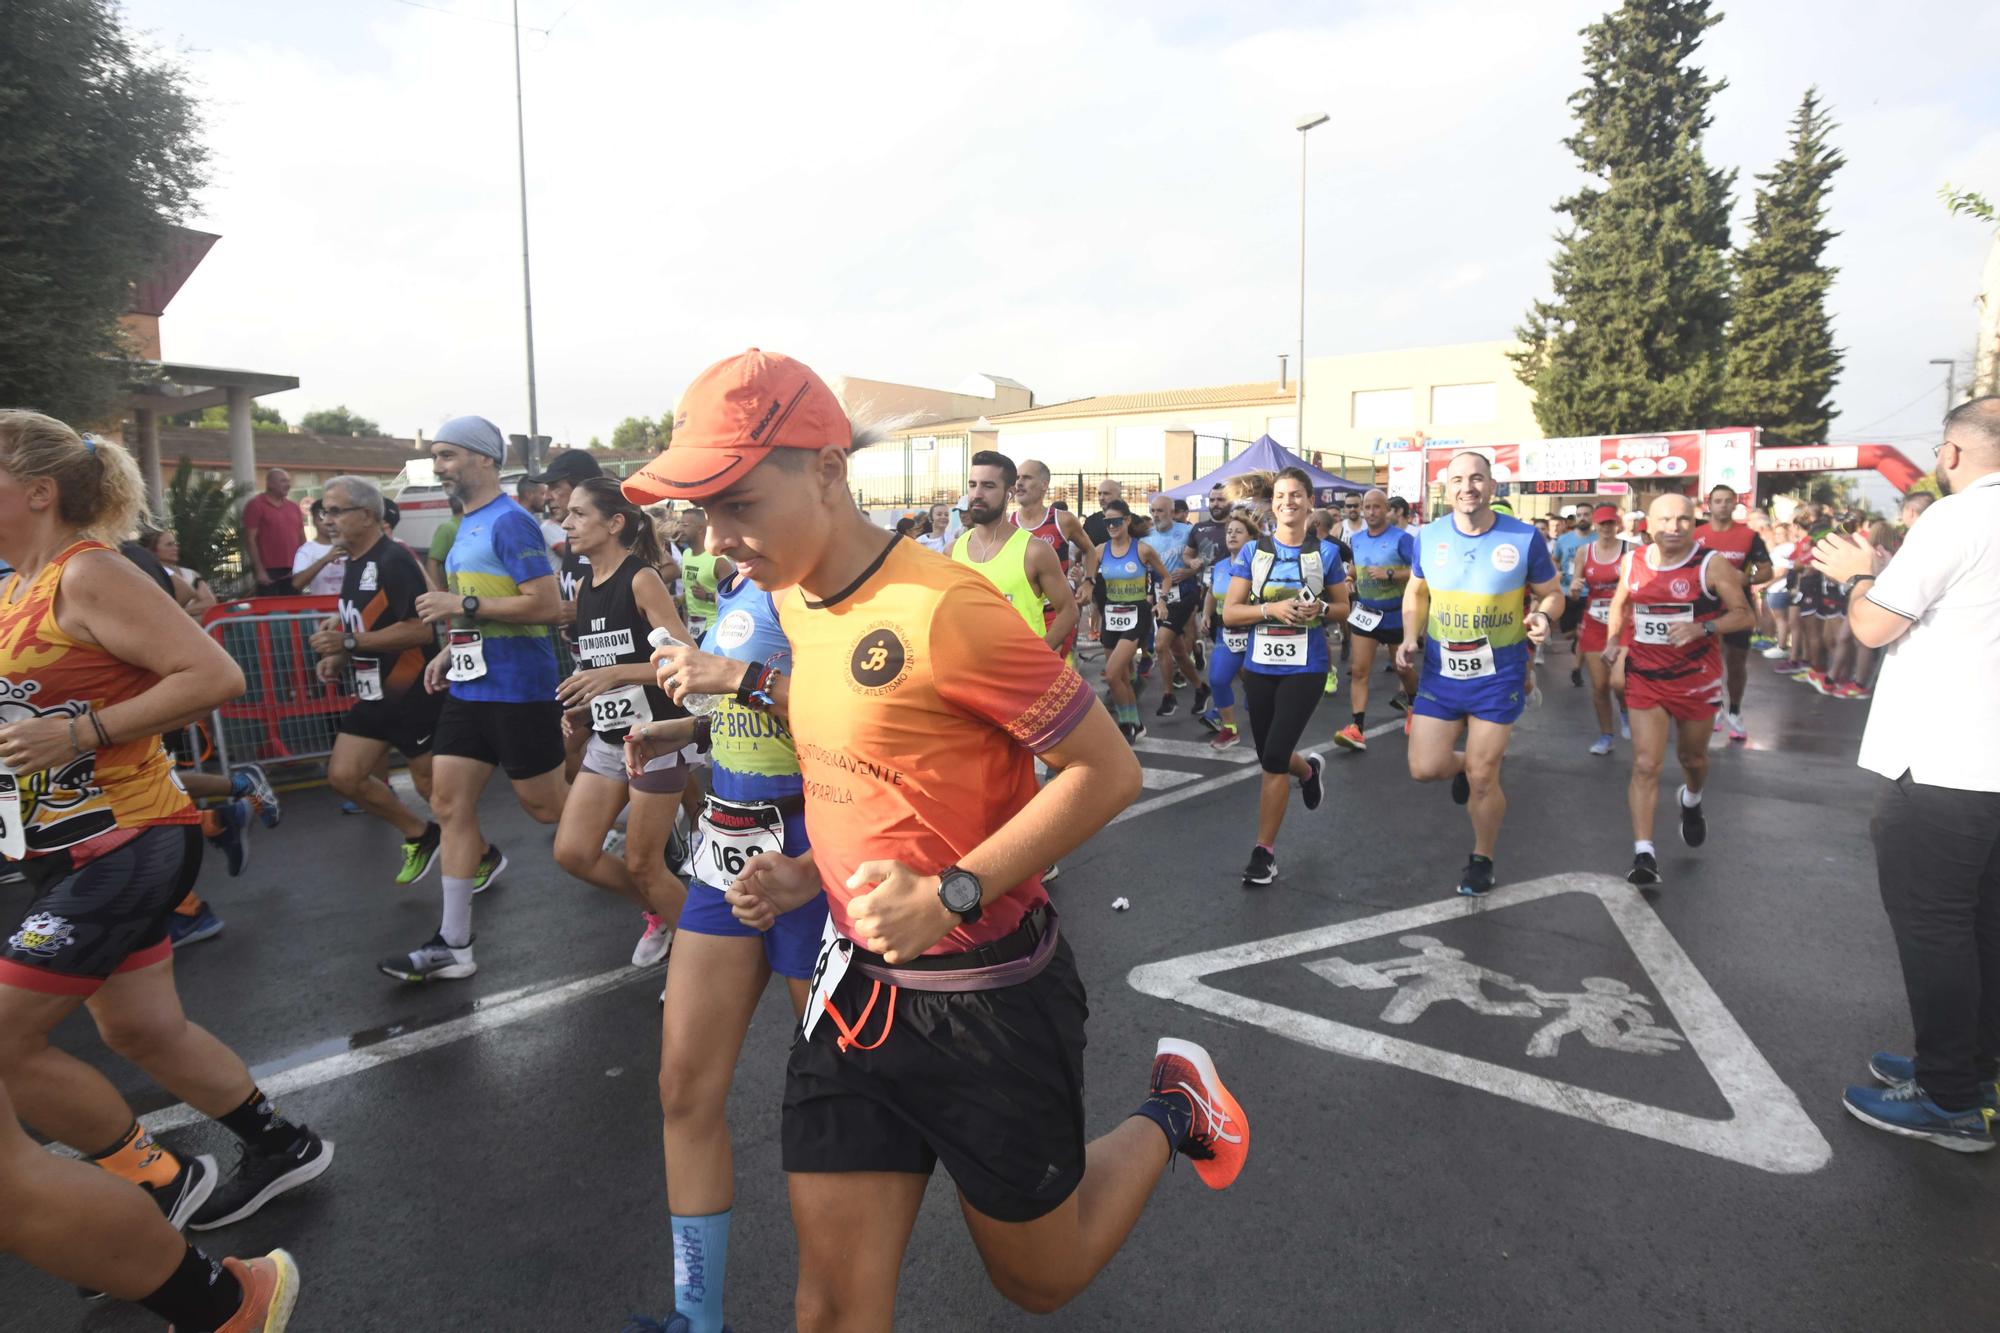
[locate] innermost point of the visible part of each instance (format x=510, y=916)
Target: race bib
x=1121, y=619
x=620, y=709
x=1655, y=624
x=1466, y=661
x=1279, y=646
x=468, y=655
x=1236, y=641
x=368, y=679
x=734, y=831
x=13, y=833
x=1174, y=592
x=1364, y=618
x=1600, y=610
x=835, y=953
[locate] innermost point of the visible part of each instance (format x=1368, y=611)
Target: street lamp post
x=527, y=291
x=1950, y=380
x=1306, y=124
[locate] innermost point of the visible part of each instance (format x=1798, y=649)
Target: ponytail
x=98, y=490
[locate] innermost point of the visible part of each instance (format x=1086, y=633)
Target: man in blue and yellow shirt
x=1483, y=593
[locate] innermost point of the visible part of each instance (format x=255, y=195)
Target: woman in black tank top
x=619, y=602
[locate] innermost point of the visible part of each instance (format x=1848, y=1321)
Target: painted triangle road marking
x=1160, y=779
x=1767, y=1129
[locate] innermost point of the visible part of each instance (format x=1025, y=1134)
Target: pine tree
x=1782, y=363
x=1633, y=339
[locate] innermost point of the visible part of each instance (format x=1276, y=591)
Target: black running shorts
x=1572, y=616
x=409, y=724
x=1737, y=638
x=1141, y=635
x=525, y=739
x=1384, y=633
x=109, y=917
x=990, y=1083
x=1181, y=612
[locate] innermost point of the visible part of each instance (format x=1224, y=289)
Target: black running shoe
x=1694, y=824
x=1168, y=706
x=1201, y=698
x=180, y=1198
x=261, y=1177
x=1477, y=881
x=1401, y=703
x=1263, y=868
x=1576, y=675
x=1313, y=786
x=1461, y=788
x=1645, y=870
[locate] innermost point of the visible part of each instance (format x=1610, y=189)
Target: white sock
x=1690, y=799
x=457, y=925
x=1642, y=845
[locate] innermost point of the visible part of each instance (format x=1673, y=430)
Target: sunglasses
x=1112, y=520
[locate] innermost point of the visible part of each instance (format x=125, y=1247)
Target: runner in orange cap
x=947, y=1019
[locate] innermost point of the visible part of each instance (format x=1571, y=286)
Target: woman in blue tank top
x=755, y=806
x=1226, y=653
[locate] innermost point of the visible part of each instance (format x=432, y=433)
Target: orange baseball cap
x=1604, y=514
x=731, y=417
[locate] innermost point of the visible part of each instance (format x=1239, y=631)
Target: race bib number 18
x=468, y=655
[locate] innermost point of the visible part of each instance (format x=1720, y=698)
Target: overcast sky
x=1086, y=197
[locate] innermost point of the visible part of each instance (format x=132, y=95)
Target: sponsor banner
x=1406, y=476
x=1821, y=458
x=1670, y=457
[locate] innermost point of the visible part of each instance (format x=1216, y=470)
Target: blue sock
x=1172, y=1112
x=701, y=1256
x=239, y=783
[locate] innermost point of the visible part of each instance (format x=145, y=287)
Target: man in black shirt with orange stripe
x=380, y=636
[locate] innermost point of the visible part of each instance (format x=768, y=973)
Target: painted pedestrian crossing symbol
x=1431, y=990
x=1607, y=1013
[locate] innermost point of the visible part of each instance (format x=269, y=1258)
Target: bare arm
x=107, y=601
x=1727, y=585
x=535, y=605
x=1045, y=573
x=1072, y=528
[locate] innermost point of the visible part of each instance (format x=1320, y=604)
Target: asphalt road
x=1456, y=1130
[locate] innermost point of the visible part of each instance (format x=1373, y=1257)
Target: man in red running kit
x=1740, y=545
x=1674, y=601
x=1058, y=527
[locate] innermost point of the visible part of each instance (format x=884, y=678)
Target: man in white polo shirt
x=1934, y=733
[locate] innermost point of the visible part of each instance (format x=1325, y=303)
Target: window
x=1384, y=409
x=1463, y=404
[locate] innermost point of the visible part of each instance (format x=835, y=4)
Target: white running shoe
x=1602, y=745
x=1736, y=730
x=1776, y=654
x=1625, y=726
x=614, y=842
x=434, y=960
x=653, y=945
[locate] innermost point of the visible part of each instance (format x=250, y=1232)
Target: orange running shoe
x=1218, y=1140
x=270, y=1290
x=1350, y=737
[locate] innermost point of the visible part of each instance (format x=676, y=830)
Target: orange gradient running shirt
x=43, y=673
x=919, y=700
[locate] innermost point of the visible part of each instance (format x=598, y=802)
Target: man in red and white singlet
x=1674, y=601
x=1058, y=527
x=1744, y=549
x=1594, y=580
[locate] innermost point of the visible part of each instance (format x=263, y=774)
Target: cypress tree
x=1633, y=337
x=1782, y=363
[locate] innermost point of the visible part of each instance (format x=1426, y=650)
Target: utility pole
x=527, y=289
x=1305, y=125
x=1950, y=381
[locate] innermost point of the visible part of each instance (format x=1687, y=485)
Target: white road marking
x=1239, y=754
x=1768, y=1129
x=493, y=1013
x=1207, y=785
x=1161, y=779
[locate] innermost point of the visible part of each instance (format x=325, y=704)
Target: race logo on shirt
x=1682, y=588
x=734, y=630
x=880, y=661
x=368, y=577
x=1506, y=558
x=44, y=935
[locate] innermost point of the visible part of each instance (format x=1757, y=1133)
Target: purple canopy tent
x=1267, y=455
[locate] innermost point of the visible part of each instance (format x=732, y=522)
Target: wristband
x=702, y=727
x=103, y=736
x=73, y=746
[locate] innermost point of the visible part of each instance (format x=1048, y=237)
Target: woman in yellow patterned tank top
x=95, y=663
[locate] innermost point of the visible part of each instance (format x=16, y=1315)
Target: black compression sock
x=1173, y=1113
x=259, y=1125
x=200, y=1296
x=1361, y=721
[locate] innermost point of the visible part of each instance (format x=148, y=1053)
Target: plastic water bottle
x=697, y=705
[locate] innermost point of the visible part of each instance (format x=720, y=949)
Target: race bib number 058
x=1466, y=661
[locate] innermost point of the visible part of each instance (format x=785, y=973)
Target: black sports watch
x=347, y=642
x=962, y=894
x=470, y=605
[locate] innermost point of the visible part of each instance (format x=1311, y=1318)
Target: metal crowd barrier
x=286, y=713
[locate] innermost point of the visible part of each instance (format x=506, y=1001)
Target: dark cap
x=571, y=465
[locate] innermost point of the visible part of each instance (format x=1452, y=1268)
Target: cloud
x=1087, y=198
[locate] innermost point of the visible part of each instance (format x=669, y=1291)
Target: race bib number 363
x=1283, y=646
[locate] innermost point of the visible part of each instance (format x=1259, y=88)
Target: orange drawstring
x=851, y=1036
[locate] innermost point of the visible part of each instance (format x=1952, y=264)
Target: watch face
x=961, y=893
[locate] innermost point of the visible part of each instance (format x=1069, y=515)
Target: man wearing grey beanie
x=499, y=666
